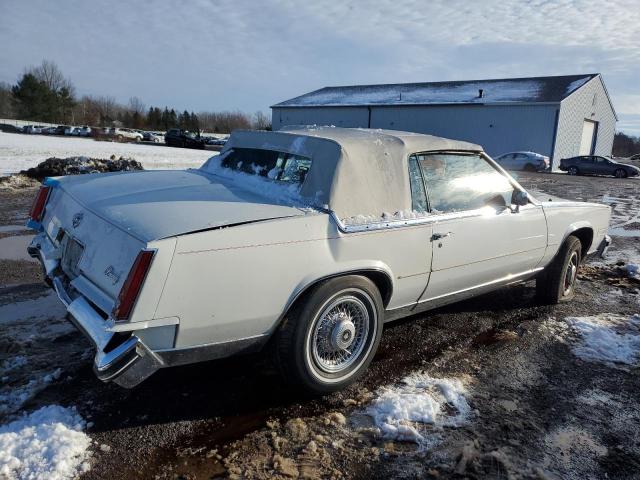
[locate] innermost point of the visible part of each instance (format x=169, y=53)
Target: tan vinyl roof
x=354, y=171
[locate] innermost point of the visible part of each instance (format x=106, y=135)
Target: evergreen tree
x=33, y=100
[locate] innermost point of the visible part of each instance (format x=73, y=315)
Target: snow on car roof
x=354, y=171
x=532, y=89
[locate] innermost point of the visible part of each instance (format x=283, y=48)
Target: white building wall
x=589, y=102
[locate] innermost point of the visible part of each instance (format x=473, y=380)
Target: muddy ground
x=537, y=410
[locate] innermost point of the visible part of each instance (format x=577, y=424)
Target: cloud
x=230, y=54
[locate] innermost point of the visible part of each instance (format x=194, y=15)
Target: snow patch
x=20, y=152
x=48, y=443
x=420, y=404
x=607, y=338
x=283, y=193
x=385, y=217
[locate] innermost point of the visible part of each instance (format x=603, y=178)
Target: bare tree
x=49, y=73
x=136, y=106
x=261, y=121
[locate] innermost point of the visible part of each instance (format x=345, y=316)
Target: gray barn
x=559, y=116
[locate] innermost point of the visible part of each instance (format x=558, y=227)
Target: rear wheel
x=119, y=138
x=620, y=173
x=557, y=282
x=328, y=340
x=529, y=168
x=574, y=171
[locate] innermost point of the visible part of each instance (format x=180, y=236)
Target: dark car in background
x=176, y=137
x=597, y=165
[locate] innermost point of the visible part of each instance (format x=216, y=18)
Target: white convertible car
x=304, y=240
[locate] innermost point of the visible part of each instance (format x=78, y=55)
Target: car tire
x=557, y=282
x=620, y=173
x=329, y=338
x=529, y=168
x=119, y=138
x=574, y=171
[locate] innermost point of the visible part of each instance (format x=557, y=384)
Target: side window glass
x=418, y=195
x=459, y=182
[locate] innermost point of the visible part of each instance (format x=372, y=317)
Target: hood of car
x=158, y=204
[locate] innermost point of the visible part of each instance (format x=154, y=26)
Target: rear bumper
x=126, y=361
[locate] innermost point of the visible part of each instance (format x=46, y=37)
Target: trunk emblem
x=77, y=219
x=111, y=274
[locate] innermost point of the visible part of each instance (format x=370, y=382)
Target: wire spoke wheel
x=340, y=336
x=571, y=273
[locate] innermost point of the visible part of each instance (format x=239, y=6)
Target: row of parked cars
x=579, y=165
x=174, y=137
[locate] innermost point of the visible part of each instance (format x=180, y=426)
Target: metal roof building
x=559, y=116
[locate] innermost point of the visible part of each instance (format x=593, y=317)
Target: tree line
x=625, y=145
x=44, y=94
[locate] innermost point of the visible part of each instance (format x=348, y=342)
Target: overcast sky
x=234, y=54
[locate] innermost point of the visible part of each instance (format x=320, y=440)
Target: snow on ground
x=418, y=407
x=13, y=398
x=46, y=444
x=607, y=338
x=19, y=152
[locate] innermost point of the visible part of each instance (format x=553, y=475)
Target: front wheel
x=558, y=281
x=573, y=171
x=620, y=173
x=328, y=340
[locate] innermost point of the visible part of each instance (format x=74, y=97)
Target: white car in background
x=306, y=239
x=527, y=161
x=126, y=134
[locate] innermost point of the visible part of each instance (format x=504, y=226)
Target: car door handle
x=438, y=236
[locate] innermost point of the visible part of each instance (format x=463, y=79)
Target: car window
x=458, y=182
x=418, y=194
x=278, y=166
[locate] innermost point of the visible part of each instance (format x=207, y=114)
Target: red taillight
x=37, y=209
x=133, y=284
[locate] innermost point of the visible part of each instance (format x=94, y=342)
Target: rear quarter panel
x=564, y=218
x=234, y=283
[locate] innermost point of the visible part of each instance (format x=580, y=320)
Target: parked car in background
x=176, y=137
x=32, y=129
x=49, y=131
x=60, y=129
x=155, y=137
x=527, y=161
x=71, y=131
x=597, y=165
x=635, y=157
x=83, y=131
x=126, y=134
x=306, y=239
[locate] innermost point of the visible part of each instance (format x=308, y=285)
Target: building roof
x=505, y=90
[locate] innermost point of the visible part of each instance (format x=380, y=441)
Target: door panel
x=586, y=142
x=485, y=247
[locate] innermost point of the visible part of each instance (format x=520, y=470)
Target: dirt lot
x=528, y=402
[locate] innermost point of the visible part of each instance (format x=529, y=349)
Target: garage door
x=588, y=132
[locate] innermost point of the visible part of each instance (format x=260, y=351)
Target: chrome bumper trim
x=129, y=362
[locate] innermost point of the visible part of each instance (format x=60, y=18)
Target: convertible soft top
x=354, y=171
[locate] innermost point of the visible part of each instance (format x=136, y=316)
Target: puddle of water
x=621, y=232
x=15, y=248
x=11, y=228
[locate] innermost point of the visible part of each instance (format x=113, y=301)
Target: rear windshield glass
x=279, y=166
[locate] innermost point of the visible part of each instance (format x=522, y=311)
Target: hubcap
x=340, y=334
x=571, y=273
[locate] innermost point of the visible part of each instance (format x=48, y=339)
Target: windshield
x=278, y=166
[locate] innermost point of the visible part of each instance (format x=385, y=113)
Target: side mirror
x=519, y=198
